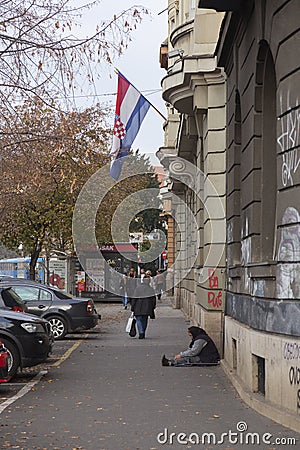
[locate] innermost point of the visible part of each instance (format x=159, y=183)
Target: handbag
x=129, y=323
x=132, y=331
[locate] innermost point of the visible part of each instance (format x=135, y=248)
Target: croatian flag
x=131, y=108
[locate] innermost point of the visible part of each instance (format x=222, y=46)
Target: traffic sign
x=164, y=254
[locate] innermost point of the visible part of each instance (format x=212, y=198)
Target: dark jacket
x=209, y=352
x=143, y=302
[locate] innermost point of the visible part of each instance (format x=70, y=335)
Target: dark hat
x=196, y=331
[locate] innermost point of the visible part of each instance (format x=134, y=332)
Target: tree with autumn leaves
x=45, y=163
x=47, y=149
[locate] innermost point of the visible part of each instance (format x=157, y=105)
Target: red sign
x=81, y=281
x=125, y=247
x=81, y=287
x=164, y=254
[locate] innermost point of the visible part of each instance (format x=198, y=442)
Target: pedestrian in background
x=143, y=305
x=149, y=274
x=131, y=283
x=142, y=274
x=159, y=284
x=123, y=291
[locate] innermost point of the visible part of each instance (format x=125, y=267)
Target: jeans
x=142, y=322
x=124, y=300
x=185, y=360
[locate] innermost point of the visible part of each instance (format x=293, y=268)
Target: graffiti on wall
x=291, y=352
x=288, y=279
x=289, y=139
x=258, y=288
x=246, y=254
x=214, y=298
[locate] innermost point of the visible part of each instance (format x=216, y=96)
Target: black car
x=27, y=338
x=65, y=313
x=10, y=300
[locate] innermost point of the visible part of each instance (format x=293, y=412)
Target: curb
x=281, y=416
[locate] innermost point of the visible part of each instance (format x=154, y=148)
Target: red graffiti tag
x=215, y=299
x=212, y=280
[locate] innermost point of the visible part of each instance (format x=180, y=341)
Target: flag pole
x=154, y=107
x=157, y=110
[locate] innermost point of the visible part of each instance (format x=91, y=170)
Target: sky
x=139, y=64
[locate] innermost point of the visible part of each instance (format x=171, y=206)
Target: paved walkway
x=174, y=407
x=112, y=393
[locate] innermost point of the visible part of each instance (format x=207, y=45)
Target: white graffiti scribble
x=290, y=164
x=289, y=141
x=288, y=280
x=246, y=254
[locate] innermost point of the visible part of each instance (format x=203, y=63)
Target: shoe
x=125, y=307
x=142, y=336
x=165, y=361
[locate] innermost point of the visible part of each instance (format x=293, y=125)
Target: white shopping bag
x=129, y=323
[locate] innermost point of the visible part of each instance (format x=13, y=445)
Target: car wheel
x=13, y=357
x=58, y=326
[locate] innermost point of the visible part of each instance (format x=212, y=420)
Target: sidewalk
x=111, y=393
x=174, y=407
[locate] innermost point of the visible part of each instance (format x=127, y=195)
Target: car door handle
x=41, y=306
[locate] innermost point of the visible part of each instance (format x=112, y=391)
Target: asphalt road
x=107, y=391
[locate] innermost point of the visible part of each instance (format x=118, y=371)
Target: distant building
x=161, y=175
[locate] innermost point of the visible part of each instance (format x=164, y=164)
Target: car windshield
x=11, y=298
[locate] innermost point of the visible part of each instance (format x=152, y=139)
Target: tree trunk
x=34, y=256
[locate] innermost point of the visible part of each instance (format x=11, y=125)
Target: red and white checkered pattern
x=119, y=129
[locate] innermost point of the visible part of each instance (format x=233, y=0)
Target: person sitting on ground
x=202, y=349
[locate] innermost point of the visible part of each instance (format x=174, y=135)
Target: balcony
x=191, y=60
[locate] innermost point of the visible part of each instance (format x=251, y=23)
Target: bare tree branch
x=42, y=53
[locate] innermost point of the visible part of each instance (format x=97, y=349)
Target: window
x=259, y=374
x=234, y=354
x=11, y=298
x=31, y=293
x=266, y=108
x=27, y=293
x=44, y=295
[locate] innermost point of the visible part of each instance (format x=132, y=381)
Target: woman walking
x=143, y=305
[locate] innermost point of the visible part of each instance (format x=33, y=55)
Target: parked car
x=10, y=300
x=65, y=313
x=27, y=339
x=3, y=364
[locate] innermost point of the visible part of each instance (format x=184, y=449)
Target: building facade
x=258, y=47
x=194, y=156
x=232, y=86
